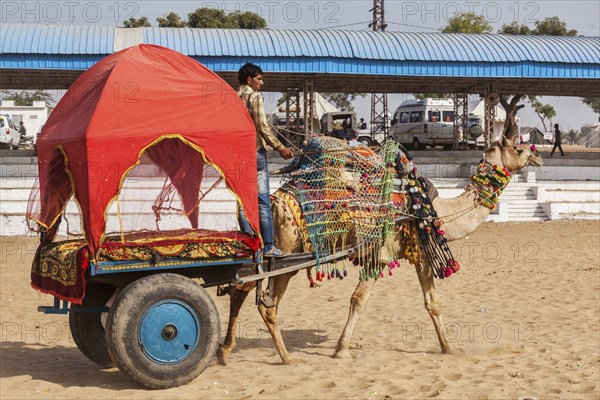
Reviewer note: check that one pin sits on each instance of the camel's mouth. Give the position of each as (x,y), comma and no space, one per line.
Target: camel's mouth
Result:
(536,161)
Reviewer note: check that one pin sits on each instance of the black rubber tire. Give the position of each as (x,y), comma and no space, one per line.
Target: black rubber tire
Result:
(123,329)
(418,145)
(366,141)
(447,147)
(86,327)
(475,131)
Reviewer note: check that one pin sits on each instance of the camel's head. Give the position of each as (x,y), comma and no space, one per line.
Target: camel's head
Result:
(505,153)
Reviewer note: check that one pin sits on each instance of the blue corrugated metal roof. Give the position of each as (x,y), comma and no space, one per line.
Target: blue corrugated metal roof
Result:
(397,46)
(317,51)
(56,39)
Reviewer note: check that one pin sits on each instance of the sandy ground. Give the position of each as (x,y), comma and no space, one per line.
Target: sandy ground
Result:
(523,314)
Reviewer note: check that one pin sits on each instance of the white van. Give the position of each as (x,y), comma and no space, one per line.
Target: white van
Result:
(427,122)
(9,133)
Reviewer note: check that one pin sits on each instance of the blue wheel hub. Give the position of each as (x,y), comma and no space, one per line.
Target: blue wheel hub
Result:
(169,331)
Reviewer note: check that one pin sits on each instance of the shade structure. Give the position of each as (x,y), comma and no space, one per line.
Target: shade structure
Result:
(149,100)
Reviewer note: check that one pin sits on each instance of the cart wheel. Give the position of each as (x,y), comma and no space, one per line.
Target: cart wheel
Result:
(86,327)
(163,330)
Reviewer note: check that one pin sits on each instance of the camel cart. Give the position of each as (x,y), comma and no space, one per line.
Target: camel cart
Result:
(133,281)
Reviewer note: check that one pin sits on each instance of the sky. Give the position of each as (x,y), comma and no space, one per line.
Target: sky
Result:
(401,16)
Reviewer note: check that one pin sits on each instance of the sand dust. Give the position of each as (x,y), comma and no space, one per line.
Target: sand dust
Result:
(523,316)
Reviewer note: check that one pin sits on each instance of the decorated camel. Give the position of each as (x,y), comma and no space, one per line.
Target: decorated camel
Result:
(460,216)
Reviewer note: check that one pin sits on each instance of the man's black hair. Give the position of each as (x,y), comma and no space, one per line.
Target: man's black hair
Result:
(556,126)
(248,70)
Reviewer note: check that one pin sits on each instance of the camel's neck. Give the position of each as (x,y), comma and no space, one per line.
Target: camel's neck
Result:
(462,214)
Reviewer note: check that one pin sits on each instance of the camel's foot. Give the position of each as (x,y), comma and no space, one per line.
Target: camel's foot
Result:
(342,354)
(451,350)
(293,361)
(223,354)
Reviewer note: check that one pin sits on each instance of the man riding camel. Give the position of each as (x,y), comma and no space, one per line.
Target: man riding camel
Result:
(251,81)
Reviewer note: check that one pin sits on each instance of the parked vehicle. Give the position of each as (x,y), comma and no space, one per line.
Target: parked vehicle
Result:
(343,125)
(427,122)
(9,133)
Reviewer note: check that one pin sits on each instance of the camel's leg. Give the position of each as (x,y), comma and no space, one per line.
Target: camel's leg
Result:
(269,315)
(237,295)
(357,305)
(432,304)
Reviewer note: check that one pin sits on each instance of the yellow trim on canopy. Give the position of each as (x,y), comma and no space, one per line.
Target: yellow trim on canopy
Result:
(154,142)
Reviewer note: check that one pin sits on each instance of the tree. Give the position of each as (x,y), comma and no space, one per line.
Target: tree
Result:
(548,26)
(208,18)
(171,20)
(247,20)
(24,98)
(543,111)
(511,129)
(467,23)
(573,136)
(137,23)
(342,101)
(593,103)
(515,29)
(212,18)
(553,26)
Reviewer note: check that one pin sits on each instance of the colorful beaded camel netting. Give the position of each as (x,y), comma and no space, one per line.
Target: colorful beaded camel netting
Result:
(353,195)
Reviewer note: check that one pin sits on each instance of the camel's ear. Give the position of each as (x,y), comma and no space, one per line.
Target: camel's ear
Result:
(504,142)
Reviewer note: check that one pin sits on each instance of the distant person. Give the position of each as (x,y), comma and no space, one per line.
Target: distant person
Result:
(363,124)
(22,129)
(557,141)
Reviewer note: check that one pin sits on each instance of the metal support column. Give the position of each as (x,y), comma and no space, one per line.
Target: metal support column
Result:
(461,126)
(309,108)
(379,103)
(292,117)
(490,116)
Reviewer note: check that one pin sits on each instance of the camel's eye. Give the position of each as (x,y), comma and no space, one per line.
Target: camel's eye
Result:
(518,150)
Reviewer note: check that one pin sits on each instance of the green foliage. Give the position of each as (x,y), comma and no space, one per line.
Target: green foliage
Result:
(247,20)
(543,111)
(212,18)
(25,98)
(467,23)
(343,101)
(171,20)
(515,29)
(422,96)
(593,103)
(553,26)
(136,23)
(207,18)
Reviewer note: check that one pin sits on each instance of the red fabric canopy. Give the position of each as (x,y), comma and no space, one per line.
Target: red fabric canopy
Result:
(128,102)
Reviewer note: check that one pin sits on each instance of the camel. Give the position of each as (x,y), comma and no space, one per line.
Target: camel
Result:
(465,213)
